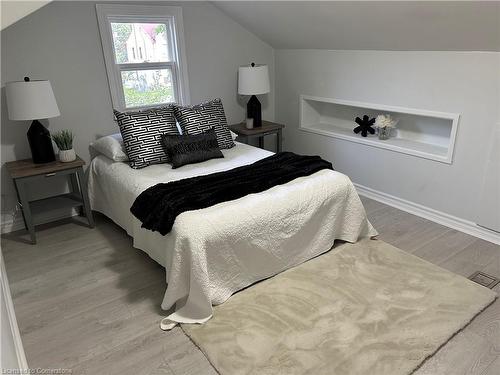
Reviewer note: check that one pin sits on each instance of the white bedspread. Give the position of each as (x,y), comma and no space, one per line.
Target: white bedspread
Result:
(214,252)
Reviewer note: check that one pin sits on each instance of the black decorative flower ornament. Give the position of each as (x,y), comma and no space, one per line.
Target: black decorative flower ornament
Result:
(365,125)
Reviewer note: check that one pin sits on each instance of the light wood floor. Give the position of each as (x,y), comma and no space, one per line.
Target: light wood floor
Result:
(85,299)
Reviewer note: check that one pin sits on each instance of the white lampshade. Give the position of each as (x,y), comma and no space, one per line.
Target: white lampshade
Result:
(31,100)
(253,80)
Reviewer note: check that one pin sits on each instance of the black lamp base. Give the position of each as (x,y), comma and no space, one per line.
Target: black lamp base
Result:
(254,111)
(40,143)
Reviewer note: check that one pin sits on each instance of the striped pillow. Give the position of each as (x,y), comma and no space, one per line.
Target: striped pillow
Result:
(199,118)
(142,131)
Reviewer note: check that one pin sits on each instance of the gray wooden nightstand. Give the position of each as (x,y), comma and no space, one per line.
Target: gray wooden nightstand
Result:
(267,128)
(25,172)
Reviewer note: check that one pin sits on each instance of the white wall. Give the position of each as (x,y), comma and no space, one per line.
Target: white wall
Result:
(457,82)
(13,11)
(490,192)
(371,25)
(61,43)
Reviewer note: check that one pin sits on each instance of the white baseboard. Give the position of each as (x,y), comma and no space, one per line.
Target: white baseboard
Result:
(13,222)
(439,217)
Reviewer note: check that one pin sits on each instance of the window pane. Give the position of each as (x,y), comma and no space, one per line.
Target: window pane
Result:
(140,42)
(147,87)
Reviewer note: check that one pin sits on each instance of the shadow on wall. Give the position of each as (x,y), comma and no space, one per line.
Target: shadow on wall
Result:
(242,100)
(13,142)
(14,133)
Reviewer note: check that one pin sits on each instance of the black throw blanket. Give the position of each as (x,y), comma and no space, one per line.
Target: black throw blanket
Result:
(158,206)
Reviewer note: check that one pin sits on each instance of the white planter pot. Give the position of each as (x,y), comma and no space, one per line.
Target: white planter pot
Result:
(67,155)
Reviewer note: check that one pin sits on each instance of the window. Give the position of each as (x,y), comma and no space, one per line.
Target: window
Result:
(144,54)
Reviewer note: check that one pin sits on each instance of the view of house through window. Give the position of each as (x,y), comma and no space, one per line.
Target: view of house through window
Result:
(144,44)
(140,42)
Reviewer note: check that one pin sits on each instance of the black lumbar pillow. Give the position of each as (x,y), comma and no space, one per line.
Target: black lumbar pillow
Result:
(365,126)
(190,149)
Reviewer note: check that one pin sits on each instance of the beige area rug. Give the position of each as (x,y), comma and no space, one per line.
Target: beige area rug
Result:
(365,308)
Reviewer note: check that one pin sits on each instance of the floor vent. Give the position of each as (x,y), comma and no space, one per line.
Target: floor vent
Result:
(484,279)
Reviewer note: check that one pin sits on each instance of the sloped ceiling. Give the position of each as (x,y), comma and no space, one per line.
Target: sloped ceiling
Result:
(371,25)
(14,10)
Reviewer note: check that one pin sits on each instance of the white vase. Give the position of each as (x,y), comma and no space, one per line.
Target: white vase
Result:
(66,156)
(384,133)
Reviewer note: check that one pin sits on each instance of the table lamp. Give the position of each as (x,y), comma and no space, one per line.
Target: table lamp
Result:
(253,80)
(33,100)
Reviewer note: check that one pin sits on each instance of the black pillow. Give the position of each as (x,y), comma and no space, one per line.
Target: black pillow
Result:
(190,149)
(141,133)
(202,117)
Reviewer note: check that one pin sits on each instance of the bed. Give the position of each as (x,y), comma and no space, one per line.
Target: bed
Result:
(213,252)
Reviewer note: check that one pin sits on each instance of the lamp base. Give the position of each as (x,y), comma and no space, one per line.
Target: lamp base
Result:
(40,143)
(254,111)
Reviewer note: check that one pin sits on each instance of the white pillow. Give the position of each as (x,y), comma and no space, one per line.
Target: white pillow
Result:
(233,135)
(111,146)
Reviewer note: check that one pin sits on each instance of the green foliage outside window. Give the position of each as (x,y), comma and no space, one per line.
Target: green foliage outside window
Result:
(121,33)
(135,98)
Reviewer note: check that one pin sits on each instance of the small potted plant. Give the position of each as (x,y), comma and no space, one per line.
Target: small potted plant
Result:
(64,142)
(384,125)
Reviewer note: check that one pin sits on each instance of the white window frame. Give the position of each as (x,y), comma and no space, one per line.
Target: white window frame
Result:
(170,15)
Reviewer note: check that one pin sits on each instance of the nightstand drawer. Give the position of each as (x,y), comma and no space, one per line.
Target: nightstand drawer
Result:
(37,177)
